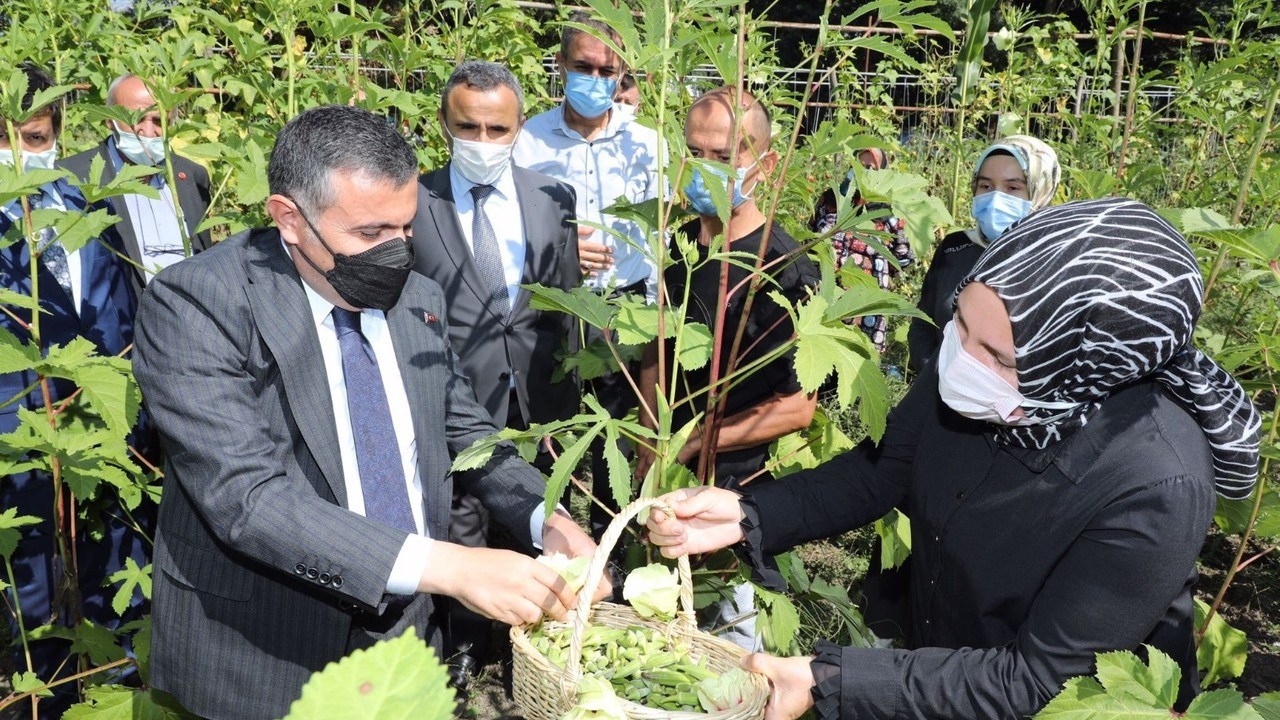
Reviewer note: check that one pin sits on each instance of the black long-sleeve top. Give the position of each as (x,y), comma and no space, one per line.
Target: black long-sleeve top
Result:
(1026,562)
(951,263)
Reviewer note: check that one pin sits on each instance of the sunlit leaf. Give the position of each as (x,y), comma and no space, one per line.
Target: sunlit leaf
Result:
(10,534)
(1223,650)
(397,679)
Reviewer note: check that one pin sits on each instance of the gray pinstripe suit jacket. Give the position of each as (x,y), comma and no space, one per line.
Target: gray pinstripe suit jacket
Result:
(261,575)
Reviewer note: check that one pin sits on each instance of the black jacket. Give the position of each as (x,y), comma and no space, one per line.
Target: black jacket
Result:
(952,261)
(1026,563)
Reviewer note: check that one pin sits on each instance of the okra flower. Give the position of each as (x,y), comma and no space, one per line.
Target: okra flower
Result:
(653,591)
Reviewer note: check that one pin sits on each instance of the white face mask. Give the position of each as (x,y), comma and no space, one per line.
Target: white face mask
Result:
(480,162)
(978,392)
(146,151)
(32,160)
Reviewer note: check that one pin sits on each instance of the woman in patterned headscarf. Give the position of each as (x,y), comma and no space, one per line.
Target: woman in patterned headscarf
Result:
(1013,178)
(1059,466)
(849,247)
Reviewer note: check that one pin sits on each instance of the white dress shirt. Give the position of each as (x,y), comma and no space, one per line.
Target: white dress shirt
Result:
(415,553)
(621,162)
(503,210)
(154,222)
(416,550)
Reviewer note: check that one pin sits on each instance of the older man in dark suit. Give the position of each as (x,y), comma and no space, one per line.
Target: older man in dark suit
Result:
(309,402)
(152,230)
(483,229)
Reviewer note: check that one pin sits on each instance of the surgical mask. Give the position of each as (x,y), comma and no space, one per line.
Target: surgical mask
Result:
(371,279)
(145,151)
(42,160)
(699,194)
(625,110)
(588,95)
(996,211)
(480,162)
(978,392)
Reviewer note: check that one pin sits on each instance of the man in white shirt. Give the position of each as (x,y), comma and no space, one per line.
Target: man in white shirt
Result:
(310,404)
(599,149)
(483,229)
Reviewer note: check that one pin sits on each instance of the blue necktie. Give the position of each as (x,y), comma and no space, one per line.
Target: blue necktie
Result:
(484,244)
(386,497)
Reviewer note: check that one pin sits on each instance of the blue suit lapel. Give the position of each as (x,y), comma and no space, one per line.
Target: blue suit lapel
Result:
(283,316)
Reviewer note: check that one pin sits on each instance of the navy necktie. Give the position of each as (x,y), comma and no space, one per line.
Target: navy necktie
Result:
(52,253)
(484,242)
(382,480)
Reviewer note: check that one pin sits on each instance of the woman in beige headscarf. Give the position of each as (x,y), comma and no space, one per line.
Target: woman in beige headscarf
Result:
(1013,178)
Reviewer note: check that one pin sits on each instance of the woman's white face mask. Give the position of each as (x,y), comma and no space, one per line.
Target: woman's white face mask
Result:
(978,392)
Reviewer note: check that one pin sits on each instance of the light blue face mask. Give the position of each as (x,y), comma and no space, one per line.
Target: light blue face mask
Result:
(700,196)
(996,211)
(146,151)
(588,95)
(32,160)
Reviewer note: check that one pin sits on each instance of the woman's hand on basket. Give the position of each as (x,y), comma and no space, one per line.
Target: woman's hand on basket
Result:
(790,683)
(560,534)
(706,519)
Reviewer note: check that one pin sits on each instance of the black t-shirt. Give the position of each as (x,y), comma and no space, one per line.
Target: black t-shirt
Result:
(767,326)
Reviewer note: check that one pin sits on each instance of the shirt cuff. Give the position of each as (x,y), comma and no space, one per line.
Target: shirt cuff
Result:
(826,681)
(871,681)
(411,563)
(764,569)
(538,519)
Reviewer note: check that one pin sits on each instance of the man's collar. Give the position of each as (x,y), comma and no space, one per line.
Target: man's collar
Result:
(156,179)
(611,128)
(505,185)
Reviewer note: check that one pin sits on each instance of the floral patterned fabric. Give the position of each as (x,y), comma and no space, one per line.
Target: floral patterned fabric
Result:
(851,247)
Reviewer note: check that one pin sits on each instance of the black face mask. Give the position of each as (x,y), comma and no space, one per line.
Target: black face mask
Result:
(371,279)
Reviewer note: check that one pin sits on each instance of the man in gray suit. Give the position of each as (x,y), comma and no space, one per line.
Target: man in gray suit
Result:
(484,228)
(151,229)
(309,403)
(507,349)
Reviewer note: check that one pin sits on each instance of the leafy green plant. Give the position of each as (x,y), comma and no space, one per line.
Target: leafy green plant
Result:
(1127,687)
(398,678)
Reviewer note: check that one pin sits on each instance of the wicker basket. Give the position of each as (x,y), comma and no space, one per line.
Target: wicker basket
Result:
(545,692)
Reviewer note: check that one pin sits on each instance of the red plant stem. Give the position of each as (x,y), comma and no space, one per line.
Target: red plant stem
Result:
(1255,558)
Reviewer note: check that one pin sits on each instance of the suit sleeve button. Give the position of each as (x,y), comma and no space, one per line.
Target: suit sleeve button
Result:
(300,569)
(325,578)
(336,582)
(313,573)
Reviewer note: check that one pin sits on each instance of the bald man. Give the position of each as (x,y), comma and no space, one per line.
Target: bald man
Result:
(152,229)
(770,402)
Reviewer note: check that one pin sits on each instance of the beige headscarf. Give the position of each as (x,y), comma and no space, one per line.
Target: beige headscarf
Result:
(1038,162)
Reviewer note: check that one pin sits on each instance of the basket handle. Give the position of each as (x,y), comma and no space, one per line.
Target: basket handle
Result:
(581,617)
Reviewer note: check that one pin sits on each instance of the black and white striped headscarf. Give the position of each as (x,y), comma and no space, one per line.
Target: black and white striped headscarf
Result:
(1102,293)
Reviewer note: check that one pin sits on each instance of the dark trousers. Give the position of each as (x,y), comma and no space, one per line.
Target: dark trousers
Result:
(470,632)
(38,574)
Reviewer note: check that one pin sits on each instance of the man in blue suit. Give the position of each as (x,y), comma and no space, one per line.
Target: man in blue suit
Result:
(85,293)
